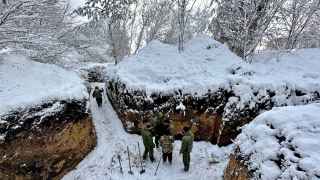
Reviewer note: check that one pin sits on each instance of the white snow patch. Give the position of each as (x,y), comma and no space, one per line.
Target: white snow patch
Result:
(26,83)
(161,68)
(74,4)
(181,107)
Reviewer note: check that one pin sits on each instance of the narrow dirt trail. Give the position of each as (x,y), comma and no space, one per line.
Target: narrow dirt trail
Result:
(102,164)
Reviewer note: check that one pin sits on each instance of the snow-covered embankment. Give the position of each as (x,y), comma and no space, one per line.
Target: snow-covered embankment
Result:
(44,127)
(279,144)
(219,92)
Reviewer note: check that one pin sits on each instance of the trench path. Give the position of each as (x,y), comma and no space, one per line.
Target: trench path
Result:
(102,162)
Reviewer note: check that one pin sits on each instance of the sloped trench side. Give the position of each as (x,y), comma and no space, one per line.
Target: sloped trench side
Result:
(203,113)
(45,142)
(236,169)
(216,116)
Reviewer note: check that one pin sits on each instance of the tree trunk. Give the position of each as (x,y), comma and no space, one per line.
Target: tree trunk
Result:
(114,51)
(181,21)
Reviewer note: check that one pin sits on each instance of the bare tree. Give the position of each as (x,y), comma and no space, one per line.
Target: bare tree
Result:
(242,24)
(296,16)
(182,5)
(117,12)
(146,15)
(33,26)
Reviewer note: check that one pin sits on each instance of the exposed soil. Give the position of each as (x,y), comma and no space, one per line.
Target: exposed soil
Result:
(203,113)
(34,155)
(45,141)
(215,116)
(236,169)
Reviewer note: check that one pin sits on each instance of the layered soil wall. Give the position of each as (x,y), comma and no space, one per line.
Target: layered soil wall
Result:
(46,141)
(216,116)
(236,169)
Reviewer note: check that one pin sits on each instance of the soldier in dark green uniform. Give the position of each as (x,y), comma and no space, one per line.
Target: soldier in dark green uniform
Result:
(159,127)
(186,147)
(148,143)
(97,93)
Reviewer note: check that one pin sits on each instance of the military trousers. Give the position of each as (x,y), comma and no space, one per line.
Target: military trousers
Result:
(186,160)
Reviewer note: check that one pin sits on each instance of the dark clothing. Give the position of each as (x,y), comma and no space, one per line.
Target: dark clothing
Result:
(147,138)
(157,139)
(150,152)
(187,143)
(160,128)
(186,161)
(186,148)
(97,93)
(99,101)
(166,156)
(148,144)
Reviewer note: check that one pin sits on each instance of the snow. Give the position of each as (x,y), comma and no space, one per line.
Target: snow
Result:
(207,64)
(76,19)
(181,107)
(160,67)
(289,135)
(47,112)
(74,4)
(282,72)
(102,164)
(26,83)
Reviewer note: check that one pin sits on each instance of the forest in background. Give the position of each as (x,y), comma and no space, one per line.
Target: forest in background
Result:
(111,29)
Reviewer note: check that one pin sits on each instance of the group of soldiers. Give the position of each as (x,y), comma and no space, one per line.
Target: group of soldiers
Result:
(161,132)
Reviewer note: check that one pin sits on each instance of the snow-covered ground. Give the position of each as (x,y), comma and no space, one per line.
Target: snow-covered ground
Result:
(102,163)
(26,83)
(285,73)
(207,64)
(283,143)
(160,67)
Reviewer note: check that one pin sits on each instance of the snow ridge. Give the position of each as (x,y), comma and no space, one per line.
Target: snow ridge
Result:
(25,84)
(283,143)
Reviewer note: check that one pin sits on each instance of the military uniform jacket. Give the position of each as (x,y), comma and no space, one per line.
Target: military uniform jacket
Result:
(187,143)
(166,144)
(147,138)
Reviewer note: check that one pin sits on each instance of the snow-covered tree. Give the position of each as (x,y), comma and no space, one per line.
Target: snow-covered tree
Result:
(242,24)
(117,13)
(161,20)
(310,37)
(182,5)
(153,19)
(34,27)
(296,23)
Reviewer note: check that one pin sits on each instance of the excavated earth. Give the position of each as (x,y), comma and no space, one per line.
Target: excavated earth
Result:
(135,107)
(215,116)
(46,141)
(236,169)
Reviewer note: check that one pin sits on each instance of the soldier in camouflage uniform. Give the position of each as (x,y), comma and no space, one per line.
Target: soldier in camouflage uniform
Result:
(148,143)
(166,142)
(186,147)
(97,93)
